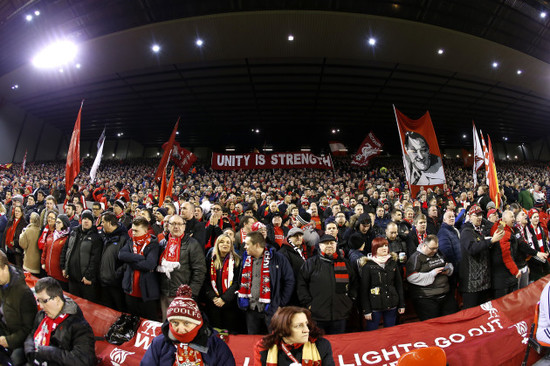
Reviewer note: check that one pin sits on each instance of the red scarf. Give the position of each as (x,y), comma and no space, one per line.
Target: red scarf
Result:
(42,240)
(227,273)
(186,337)
(265,281)
(186,355)
(46,328)
(10,233)
(173,249)
(139,245)
(341,275)
(420,237)
(279,235)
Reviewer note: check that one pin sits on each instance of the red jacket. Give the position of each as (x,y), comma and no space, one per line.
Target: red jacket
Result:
(51,258)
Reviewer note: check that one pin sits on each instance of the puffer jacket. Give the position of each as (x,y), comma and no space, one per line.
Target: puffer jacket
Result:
(71,344)
(89,246)
(111,268)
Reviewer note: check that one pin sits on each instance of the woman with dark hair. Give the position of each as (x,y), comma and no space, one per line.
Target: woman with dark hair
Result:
(15,227)
(294,340)
(54,242)
(381,290)
(222,282)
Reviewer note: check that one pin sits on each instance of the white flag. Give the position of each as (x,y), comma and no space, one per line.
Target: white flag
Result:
(478,155)
(97,160)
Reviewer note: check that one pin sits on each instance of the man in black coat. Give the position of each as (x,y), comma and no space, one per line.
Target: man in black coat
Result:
(80,259)
(61,336)
(327,285)
(114,236)
(18,308)
(293,249)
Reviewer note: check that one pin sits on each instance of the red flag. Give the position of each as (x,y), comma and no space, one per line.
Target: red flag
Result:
(168,192)
(166,155)
(73,155)
(494,191)
(337,148)
(182,157)
(24,163)
(5,166)
(421,155)
(162,193)
(370,147)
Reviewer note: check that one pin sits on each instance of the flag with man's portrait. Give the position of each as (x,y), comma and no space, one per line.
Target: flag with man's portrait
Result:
(421,155)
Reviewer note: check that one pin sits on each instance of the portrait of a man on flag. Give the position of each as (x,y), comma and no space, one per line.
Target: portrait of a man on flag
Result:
(421,155)
(422,168)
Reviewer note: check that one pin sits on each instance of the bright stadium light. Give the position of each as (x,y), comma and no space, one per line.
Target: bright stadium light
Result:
(55,55)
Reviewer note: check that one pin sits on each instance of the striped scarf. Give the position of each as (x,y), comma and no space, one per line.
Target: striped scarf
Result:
(310,355)
(341,274)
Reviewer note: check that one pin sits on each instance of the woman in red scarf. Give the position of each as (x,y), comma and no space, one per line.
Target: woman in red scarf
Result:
(294,340)
(221,283)
(15,227)
(54,240)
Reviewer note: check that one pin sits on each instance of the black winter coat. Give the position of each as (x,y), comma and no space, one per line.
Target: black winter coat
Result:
(475,266)
(381,288)
(111,268)
(86,262)
(317,288)
(71,344)
(19,308)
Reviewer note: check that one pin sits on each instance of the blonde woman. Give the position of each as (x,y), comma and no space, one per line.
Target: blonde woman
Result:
(222,281)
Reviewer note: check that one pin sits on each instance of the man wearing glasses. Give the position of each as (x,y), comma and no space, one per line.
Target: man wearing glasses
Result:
(181,262)
(427,273)
(60,334)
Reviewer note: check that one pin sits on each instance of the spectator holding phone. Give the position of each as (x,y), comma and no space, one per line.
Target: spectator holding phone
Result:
(427,273)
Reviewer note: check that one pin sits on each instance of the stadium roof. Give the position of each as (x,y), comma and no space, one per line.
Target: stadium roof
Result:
(328,83)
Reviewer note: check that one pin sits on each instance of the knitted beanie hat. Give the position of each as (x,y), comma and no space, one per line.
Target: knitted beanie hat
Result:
(183,307)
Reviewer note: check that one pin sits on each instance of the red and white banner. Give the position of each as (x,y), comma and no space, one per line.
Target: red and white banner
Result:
(182,157)
(494,333)
(337,148)
(421,155)
(370,147)
(288,160)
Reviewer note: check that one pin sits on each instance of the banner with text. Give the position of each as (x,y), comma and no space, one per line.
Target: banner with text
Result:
(288,160)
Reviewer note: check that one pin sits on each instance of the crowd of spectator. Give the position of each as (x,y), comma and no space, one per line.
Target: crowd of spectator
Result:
(350,244)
